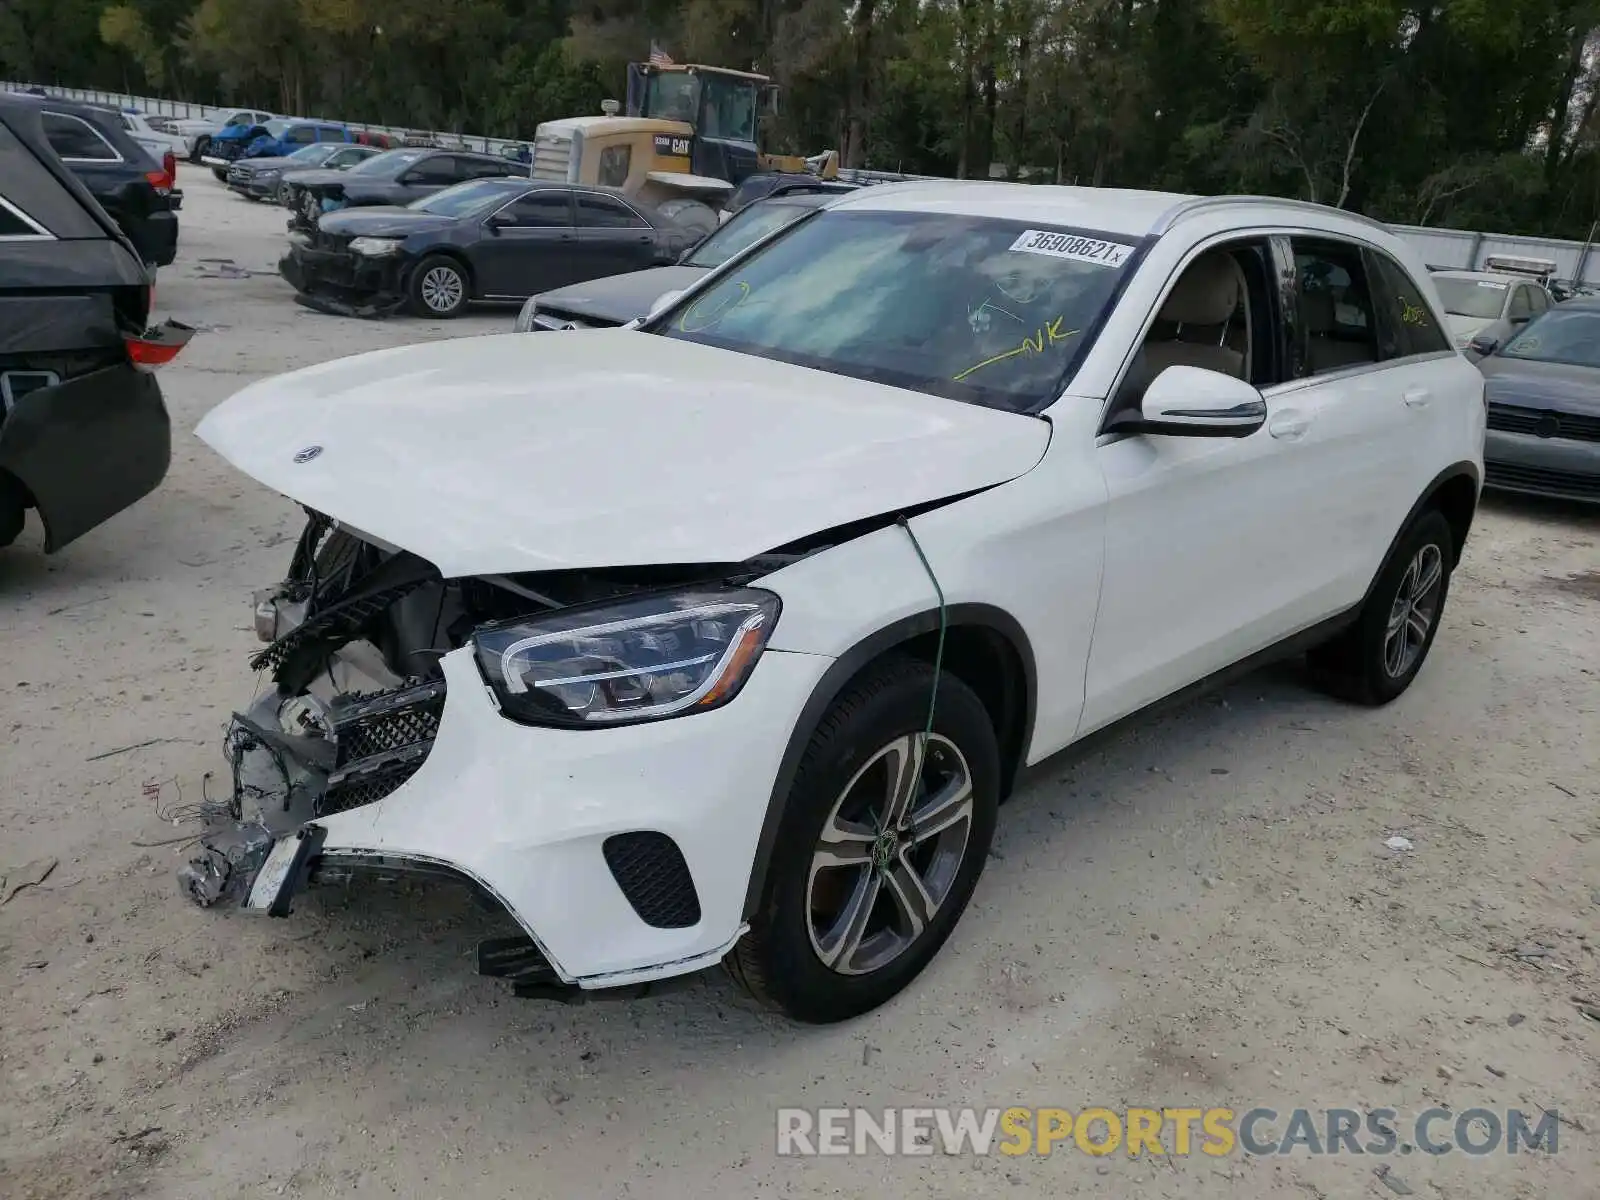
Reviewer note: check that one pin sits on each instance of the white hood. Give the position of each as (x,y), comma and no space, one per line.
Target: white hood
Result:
(527,452)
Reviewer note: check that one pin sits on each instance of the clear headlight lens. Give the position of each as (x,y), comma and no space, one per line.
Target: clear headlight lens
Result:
(375,247)
(268,174)
(631,660)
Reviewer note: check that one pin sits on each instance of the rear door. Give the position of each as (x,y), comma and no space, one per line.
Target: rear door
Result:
(613,238)
(538,250)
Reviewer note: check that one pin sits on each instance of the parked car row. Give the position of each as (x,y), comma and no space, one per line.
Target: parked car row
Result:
(84,432)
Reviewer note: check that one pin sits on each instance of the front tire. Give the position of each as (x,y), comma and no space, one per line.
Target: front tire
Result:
(1376,659)
(201,145)
(438,288)
(220,174)
(13,509)
(875,861)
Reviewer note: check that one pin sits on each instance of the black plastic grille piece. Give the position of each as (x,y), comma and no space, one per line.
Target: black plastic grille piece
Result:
(382,740)
(388,721)
(1511,418)
(651,871)
(345,793)
(1541,479)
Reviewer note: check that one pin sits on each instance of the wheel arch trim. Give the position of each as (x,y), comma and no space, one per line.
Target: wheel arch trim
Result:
(1461,470)
(845,668)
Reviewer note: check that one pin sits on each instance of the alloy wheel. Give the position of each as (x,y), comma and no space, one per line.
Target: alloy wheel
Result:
(442,289)
(1415,608)
(889,853)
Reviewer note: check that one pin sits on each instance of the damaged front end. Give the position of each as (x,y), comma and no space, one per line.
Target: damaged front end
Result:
(358,641)
(328,276)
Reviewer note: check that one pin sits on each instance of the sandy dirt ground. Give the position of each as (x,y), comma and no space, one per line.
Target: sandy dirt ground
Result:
(1201,911)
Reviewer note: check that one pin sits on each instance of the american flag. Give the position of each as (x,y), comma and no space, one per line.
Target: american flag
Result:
(658,56)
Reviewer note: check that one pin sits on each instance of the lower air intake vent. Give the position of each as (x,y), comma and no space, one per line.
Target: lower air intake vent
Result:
(650,870)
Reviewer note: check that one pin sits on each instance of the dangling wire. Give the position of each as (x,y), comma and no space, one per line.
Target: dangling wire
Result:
(938,654)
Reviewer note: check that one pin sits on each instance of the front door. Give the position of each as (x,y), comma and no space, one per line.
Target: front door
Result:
(1208,539)
(538,250)
(614,238)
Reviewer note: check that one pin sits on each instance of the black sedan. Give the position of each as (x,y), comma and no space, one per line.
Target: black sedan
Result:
(1543,389)
(393,177)
(491,239)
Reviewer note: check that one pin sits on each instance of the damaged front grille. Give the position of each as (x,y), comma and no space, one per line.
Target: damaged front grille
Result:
(381,742)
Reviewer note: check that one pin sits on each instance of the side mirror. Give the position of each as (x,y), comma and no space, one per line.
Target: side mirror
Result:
(1484,344)
(663,302)
(1191,402)
(500,221)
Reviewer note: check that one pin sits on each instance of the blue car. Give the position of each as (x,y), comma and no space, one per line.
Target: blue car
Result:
(277,138)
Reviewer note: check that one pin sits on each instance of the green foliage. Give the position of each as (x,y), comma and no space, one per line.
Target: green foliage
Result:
(1466,112)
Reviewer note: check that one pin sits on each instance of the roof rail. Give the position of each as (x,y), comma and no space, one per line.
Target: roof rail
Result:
(1188,208)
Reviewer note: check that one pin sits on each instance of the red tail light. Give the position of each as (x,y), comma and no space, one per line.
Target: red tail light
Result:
(164,179)
(158,345)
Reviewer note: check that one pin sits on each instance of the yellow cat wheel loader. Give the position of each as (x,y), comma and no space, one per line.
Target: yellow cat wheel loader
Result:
(687,139)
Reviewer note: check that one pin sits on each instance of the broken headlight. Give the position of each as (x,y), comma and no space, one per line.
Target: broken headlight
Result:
(631,660)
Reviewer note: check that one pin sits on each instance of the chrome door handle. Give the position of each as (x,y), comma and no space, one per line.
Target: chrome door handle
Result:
(1288,425)
(1417,397)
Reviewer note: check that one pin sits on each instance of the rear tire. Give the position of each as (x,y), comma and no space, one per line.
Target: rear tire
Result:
(438,288)
(1375,660)
(848,920)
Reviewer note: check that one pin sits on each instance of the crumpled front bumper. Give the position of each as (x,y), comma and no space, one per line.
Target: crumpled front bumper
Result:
(526,814)
(346,283)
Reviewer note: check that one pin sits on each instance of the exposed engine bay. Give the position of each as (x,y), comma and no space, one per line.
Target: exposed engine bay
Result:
(355,634)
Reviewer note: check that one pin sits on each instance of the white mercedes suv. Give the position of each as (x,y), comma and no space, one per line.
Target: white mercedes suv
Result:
(722,638)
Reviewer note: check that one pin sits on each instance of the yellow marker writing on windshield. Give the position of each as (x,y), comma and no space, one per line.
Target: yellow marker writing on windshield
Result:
(1046,335)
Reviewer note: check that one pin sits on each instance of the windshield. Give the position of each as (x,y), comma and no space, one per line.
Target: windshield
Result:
(1481,299)
(743,231)
(730,110)
(313,154)
(672,96)
(1571,337)
(977,309)
(390,161)
(464,198)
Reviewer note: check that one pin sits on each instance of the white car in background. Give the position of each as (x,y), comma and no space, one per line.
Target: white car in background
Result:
(722,639)
(1488,306)
(151,138)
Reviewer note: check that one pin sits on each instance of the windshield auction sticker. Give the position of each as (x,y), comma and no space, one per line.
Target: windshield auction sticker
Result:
(1070,246)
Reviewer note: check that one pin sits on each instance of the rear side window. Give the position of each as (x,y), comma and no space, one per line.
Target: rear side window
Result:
(603,212)
(14,223)
(1521,307)
(75,139)
(542,210)
(1406,324)
(329,133)
(300,135)
(1337,320)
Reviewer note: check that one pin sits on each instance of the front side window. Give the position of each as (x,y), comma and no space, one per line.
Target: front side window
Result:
(14,223)
(441,169)
(977,309)
(1479,299)
(390,163)
(463,199)
(73,138)
(311,155)
(300,135)
(1408,325)
(1570,336)
(1337,320)
(743,231)
(602,212)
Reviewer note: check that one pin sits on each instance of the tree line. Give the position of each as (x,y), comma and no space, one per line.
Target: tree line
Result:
(1470,113)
